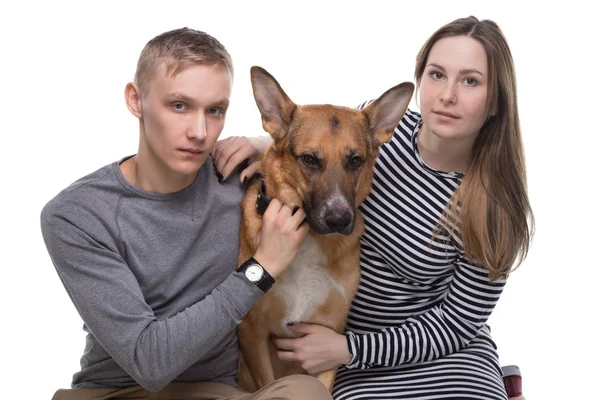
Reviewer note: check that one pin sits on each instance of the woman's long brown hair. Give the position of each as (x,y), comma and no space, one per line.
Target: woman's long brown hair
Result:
(491,208)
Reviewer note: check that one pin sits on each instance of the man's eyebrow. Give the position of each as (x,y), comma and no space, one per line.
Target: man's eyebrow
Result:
(178,96)
(223,103)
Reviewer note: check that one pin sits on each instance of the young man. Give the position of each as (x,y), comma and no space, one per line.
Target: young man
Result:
(146,250)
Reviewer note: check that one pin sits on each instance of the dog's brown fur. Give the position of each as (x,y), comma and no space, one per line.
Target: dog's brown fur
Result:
(321,159)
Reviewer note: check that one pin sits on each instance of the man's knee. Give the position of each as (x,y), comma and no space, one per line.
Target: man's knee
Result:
(302,387)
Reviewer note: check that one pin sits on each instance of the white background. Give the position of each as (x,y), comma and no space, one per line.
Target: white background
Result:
(63,71)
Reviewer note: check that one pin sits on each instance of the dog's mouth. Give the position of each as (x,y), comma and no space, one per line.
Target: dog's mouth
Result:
(328,221)
(337,217)
(325,230)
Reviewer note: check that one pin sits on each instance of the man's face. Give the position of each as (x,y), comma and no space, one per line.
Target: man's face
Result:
(182,118)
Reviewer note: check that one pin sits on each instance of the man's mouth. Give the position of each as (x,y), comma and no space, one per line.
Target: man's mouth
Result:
(191,150)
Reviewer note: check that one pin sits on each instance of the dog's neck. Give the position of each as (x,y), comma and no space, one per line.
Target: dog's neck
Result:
(262,199)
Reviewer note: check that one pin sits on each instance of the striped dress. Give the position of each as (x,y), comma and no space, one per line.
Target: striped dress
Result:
(417,328)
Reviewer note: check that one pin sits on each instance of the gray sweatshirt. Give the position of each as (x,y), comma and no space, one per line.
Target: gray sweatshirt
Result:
(152,276)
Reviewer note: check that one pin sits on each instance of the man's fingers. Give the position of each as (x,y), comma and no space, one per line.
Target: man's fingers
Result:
(299,214)
(273,208)
(298,218)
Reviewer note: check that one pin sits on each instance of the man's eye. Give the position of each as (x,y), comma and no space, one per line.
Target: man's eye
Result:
(180,106)
(215,111)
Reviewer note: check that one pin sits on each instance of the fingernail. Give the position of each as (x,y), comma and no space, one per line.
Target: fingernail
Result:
(244,180)
(290,323)
(220,177)
(295,209)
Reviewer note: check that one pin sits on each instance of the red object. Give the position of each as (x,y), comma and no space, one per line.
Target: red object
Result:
(512,381)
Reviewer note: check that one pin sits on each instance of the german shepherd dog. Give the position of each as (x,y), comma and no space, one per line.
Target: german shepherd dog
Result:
(321,159)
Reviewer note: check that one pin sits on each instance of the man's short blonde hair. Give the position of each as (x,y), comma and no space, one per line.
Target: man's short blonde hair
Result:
(178,49)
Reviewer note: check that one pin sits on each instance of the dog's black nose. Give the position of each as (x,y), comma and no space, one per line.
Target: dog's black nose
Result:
(338,221)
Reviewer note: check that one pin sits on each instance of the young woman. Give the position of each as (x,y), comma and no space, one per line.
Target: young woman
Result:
(446,221)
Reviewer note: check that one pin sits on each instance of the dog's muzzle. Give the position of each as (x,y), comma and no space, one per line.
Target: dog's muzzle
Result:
(340,221)
(331,219)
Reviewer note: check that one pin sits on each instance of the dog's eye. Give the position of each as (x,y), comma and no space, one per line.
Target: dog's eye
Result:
(356,162)
(309,160)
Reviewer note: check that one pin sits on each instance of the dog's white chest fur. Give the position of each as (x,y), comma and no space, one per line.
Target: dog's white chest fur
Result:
(305,284)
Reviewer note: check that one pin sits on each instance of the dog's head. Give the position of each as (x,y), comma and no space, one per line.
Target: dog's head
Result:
(323,155)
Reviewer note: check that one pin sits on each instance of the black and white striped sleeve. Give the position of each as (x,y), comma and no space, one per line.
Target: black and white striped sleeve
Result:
(443,329)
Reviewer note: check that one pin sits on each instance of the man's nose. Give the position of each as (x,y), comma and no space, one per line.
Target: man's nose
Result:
(198,129)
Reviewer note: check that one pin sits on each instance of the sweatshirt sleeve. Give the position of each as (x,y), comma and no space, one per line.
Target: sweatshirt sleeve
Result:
(108,297)
(444,329)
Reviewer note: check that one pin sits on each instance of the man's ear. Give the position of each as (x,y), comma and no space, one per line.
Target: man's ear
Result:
(275,106)
(133,99)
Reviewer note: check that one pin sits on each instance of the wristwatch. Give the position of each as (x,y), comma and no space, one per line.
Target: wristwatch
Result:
(256,274)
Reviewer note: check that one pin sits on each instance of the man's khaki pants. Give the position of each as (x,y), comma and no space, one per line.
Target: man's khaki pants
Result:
(294,387)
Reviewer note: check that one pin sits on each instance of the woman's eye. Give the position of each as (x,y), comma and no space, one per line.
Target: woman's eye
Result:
(436,75)
(471,81)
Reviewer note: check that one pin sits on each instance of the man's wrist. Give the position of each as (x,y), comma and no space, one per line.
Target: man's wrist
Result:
(257,274)
(271,267)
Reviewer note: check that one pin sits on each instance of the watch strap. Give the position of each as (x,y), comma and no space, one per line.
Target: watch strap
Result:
(265,282)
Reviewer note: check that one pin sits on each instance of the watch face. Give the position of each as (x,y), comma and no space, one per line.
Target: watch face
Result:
(254,272)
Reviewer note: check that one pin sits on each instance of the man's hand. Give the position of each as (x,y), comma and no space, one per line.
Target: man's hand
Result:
(281,236)
(320,349)
(232,151)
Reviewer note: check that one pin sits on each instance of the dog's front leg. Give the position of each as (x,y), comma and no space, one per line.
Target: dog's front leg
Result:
(254,343)
(327,377)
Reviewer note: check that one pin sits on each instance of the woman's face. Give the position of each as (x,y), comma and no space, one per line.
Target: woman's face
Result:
(453,89)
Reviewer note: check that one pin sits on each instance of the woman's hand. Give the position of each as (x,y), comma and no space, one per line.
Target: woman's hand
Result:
(232,151)
(320,349)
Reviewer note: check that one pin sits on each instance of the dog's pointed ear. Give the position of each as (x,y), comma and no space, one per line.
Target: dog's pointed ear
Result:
(385,113)
(275,106)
